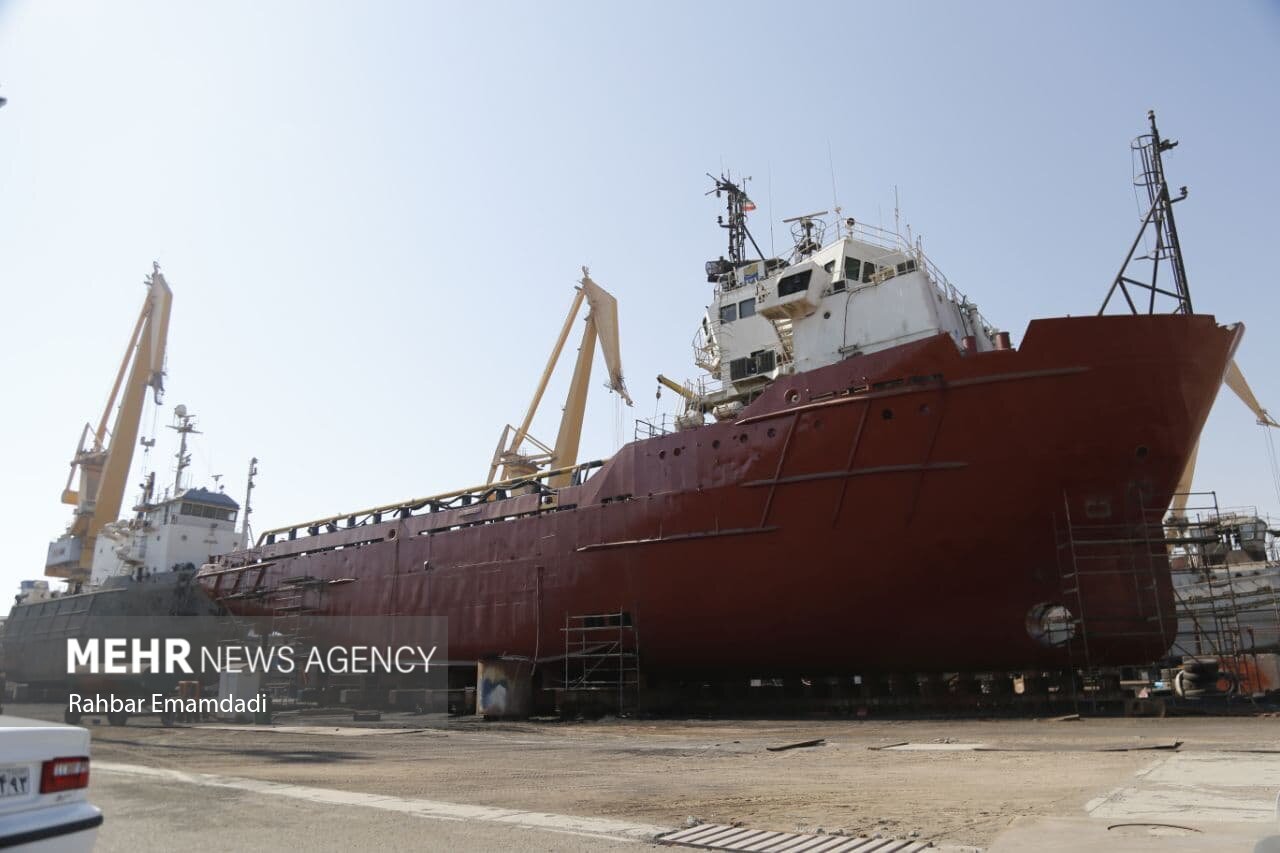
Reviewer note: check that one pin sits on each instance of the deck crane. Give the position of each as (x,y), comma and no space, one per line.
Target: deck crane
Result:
(103,459)
(1234,379)
(510,457)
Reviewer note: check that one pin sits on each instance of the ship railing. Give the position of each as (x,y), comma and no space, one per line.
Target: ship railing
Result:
(728,283)
(646,428)
(708,386)
(896,243)
(706,353)
(1199,512)
(475,495)
(1232,515)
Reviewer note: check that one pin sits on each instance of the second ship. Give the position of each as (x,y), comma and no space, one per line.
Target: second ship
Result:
(132,576)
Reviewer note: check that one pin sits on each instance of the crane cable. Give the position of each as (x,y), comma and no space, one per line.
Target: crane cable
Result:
(619,424)
(1271,455)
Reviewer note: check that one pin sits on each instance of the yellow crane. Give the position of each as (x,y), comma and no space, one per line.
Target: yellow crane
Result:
(1234,379)
(510,457)
(103,459)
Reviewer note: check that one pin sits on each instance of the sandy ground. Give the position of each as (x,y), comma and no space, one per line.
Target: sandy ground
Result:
(662,772)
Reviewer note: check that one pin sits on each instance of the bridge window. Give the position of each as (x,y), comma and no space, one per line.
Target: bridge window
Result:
(852,268)
(746,308)
(728,313)
(202,511)
(794,283)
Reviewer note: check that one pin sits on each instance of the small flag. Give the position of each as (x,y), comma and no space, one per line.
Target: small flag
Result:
(747,205)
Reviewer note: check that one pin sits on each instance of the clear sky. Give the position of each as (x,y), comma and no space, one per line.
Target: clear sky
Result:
(372,215)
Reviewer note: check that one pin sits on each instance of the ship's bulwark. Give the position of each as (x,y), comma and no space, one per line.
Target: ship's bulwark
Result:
(901,510)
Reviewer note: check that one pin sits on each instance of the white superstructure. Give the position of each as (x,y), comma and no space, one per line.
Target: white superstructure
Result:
(867,290)
(189,529)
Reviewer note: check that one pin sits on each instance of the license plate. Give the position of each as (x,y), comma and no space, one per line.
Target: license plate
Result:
(14,781)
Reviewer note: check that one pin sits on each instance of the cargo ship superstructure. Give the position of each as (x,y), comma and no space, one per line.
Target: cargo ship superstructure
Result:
(870,478)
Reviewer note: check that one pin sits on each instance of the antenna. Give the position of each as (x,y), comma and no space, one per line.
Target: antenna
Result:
(802,217)
(184,427)
(835,199)
(772,252)
(803,230)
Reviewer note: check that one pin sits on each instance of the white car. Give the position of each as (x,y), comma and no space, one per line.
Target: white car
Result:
(44,784)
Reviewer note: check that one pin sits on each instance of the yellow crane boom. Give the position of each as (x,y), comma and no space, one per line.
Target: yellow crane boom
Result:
(1234,379)
(104,466)
(601,327)
(678,388)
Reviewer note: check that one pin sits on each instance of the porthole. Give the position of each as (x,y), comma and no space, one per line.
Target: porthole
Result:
(1051,625)
(887,414)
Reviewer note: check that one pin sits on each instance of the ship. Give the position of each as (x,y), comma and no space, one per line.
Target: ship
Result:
(869,477)
(1227,582)
(142,582)
(130,577)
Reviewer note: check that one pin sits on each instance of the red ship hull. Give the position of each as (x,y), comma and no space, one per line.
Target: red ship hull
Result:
(895,511)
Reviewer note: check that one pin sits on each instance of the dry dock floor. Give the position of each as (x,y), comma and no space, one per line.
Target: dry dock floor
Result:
(432,783)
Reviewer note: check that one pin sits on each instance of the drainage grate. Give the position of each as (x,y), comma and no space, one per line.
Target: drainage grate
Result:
(718,836)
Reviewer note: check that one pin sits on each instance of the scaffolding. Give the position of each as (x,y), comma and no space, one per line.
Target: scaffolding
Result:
(602,659)
(1205,551)
(294,604)
(1227,581)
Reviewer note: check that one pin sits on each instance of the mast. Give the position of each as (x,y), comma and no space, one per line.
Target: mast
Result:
(248,493)
(738,204)
(1149,174)
(184,427)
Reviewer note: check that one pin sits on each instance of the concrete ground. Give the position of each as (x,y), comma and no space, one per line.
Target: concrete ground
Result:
(432,783)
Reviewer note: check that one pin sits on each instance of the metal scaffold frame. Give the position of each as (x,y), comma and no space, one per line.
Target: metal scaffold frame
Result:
(602,655)
(1139,548)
